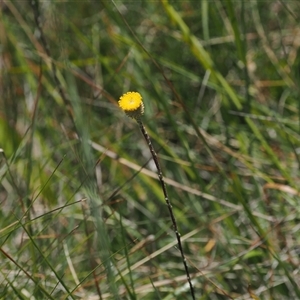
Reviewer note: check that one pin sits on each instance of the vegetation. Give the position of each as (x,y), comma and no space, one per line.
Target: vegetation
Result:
(83,215)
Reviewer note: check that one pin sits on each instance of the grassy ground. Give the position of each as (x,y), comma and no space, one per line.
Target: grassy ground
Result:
(82,212)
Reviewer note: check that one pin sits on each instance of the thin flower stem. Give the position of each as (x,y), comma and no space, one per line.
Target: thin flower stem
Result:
(163,185)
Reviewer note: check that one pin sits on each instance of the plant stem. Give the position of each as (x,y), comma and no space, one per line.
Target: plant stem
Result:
(163,185)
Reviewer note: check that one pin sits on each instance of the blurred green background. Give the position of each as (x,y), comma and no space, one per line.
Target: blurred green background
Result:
(82,212)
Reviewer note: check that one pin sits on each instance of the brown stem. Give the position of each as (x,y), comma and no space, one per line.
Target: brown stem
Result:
(163,185)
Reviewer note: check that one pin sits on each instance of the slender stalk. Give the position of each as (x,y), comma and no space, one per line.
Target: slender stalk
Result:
(163,185)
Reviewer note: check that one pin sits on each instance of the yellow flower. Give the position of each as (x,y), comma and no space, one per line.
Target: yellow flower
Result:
(131,103)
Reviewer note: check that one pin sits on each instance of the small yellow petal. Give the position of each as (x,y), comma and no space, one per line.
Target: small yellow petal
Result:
(131,103)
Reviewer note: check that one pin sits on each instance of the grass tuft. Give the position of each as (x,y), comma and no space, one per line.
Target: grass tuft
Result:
(82,214)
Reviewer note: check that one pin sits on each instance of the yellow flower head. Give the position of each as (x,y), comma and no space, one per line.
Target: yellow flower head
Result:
(131,103)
